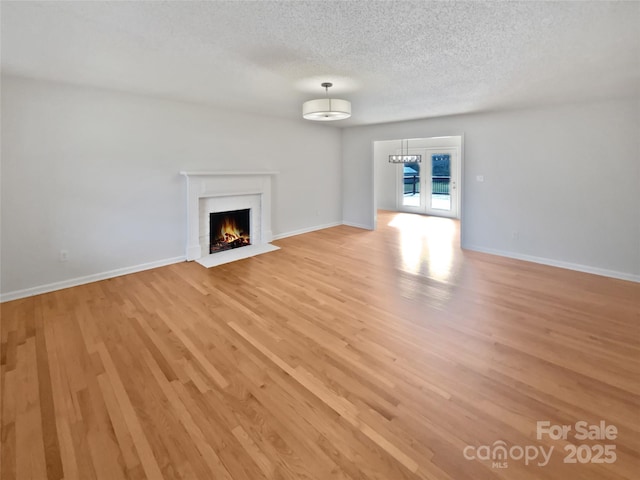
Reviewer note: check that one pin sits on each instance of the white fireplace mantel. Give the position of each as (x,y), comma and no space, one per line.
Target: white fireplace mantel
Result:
(206,188)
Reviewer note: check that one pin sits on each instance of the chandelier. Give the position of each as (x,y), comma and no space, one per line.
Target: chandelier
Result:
(405,157)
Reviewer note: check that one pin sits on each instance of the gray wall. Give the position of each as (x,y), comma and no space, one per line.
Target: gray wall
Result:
(95,172)
(567,178)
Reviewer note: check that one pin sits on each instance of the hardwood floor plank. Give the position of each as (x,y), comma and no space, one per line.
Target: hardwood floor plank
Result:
(62,406)
(197,354)
(259,458)
(147,459)
(8,426)
(118,421)
(216,469)
(30,458)
(47,409)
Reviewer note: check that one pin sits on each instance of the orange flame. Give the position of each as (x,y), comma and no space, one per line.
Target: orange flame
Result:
(229,230)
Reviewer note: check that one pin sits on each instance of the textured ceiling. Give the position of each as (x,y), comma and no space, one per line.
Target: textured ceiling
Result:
(394,60)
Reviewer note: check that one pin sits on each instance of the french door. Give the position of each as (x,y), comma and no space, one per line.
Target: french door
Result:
(432,185)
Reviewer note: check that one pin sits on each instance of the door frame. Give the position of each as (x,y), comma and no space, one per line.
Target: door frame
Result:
(426,186)
(374,174)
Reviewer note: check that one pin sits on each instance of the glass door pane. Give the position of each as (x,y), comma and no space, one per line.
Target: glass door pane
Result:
(440,181)
(411,181)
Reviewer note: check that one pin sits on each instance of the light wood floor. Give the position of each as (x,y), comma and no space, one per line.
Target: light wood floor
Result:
(348,354)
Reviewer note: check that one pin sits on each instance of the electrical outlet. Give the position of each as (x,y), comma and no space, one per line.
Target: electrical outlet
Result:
(480,178)
(64,255)
(515,235)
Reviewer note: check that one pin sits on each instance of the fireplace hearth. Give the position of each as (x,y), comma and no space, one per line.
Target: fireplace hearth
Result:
(229,230)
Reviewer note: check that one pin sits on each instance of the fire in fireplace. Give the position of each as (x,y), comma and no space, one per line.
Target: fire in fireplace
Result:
(229,230)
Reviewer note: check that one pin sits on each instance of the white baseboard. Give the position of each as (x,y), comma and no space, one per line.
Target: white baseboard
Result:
(557,263)
(74,282)
(320,227)
(306,230)
(358,225)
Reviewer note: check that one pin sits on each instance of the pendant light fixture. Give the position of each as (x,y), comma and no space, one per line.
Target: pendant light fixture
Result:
(405,157)
(326,109)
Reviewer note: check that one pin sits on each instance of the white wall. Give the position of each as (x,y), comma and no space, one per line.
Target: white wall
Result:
(567,178)
(95,172)
(386,174)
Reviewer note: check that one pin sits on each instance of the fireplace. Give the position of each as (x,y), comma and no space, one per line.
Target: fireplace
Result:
(219,192)
(228,230)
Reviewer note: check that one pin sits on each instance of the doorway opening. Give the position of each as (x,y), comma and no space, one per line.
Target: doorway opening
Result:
(430,186)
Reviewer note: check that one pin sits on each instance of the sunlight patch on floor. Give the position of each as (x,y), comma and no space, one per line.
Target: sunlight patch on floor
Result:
(426,245)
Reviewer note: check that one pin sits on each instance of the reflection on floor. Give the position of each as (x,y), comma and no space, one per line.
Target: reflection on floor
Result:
(427,244)
(428,256)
